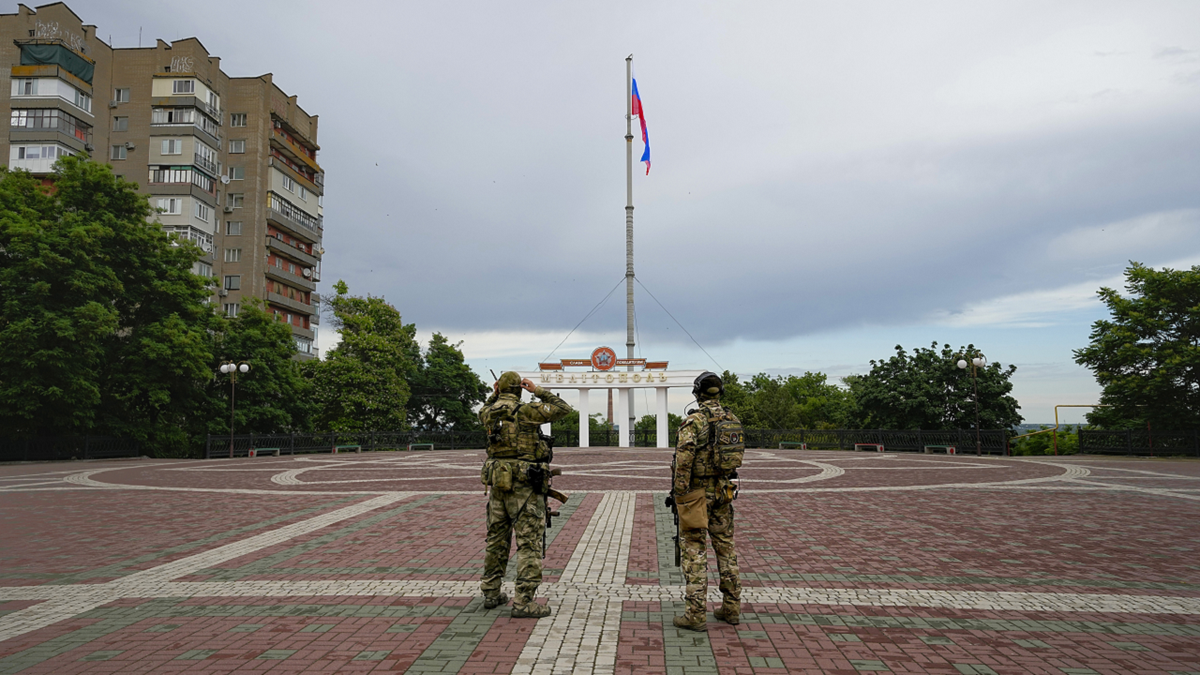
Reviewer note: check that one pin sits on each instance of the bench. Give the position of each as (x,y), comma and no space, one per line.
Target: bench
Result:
(427,446)
(793,444)
(346,448)
(948,449)
(877,447)
(255,452)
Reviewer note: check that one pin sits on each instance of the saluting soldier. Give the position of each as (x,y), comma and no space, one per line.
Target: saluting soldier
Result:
(697,466)
(516,470)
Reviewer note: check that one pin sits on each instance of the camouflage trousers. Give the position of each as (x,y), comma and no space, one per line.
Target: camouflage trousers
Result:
(521,511)
(694,557)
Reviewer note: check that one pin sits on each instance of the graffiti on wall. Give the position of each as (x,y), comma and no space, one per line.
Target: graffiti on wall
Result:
(49,30)
(182,64)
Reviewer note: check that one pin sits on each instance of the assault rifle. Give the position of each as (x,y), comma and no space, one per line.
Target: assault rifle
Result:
(542,478)
(670,503)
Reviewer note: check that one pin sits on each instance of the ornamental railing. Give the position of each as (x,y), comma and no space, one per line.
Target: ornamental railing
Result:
(1140,442)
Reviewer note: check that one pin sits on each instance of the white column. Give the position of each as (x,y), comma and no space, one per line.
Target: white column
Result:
(583,418)
(621,416)
(662,417)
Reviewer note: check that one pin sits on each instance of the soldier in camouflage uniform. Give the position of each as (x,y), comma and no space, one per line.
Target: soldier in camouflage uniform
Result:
(517,471)
(694,468)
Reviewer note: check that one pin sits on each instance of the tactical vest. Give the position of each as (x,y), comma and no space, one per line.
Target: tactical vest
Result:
(725,442)
(509,437)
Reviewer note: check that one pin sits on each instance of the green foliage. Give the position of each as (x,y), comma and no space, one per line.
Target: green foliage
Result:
(272,397)
(362,384)
(1147,355)
(596,423)
(445,389)
(650,423)
(806,401)
(105,327)
(1044,444)
(927,390)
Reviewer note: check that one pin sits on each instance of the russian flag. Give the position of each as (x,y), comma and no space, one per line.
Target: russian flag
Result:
(641,115)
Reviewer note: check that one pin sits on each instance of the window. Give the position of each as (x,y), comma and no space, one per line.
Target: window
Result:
(303,193)
(213,101)
(231,308)
(118,152)
(25,88)
(289,184)
(203,211)
(292,268)
(303,344)
(83,101)
(171,206)
(233,282)
(46,118)
(233,227)
(120,124)
(234,200)
(204,269)
(237,119)
(172,146)
(237,173)
(173,116)
(41,152)
(183,87)
(121,95)
(237,147)
(233,255)
(320,200)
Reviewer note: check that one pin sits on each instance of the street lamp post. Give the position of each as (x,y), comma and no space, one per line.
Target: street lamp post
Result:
(977,361)
(232,369)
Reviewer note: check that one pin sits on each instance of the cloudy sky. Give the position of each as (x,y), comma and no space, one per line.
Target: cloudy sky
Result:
(829,179)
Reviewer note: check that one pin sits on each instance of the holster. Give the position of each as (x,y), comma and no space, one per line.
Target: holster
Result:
(693,510)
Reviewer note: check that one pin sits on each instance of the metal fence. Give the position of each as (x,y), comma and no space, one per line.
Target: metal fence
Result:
(1140,442)
(67,447)
(993,441)
(299,444)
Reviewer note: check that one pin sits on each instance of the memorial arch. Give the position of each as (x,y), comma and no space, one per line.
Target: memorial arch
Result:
(600,372)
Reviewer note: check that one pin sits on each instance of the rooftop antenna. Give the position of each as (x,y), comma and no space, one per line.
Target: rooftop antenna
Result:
(139,37)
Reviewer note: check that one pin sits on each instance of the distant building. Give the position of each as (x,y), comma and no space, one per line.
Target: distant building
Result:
(230,162)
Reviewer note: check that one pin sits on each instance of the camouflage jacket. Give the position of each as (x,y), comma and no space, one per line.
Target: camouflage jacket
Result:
(524,443)
(693,455)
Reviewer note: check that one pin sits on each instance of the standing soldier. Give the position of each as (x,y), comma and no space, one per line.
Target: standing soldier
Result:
(707,455)
(517,470)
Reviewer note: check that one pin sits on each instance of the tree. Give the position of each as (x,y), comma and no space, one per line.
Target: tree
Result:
(362,384)
(805,401)
(927,390)
(445,389)
(106,328)
(648,423)
(272,397)
(1147,355)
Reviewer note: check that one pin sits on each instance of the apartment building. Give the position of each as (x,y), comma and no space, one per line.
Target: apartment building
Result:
(229,163)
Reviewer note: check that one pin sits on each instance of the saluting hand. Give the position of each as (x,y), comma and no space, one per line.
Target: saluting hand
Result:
(528,385)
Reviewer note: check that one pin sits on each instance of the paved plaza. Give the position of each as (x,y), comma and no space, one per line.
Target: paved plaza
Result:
(851,562)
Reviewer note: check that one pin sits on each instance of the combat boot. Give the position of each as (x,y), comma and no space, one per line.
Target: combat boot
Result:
(532,610)
(729,612)
(494,601)
(691,621)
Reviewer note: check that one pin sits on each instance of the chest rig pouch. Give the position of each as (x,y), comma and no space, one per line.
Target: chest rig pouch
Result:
(503,430)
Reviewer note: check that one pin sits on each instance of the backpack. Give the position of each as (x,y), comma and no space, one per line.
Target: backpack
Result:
(502,430)
(727,440)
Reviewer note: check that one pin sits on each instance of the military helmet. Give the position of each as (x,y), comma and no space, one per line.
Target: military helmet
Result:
(509,381)
(708,384)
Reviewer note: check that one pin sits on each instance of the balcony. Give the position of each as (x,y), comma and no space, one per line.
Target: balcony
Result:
(301,175)
(286,214)
(287,277)
(295,305)
(290,251)
(212,167)
(294,150)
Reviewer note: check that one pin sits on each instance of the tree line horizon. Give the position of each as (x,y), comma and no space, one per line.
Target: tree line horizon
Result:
(109,332)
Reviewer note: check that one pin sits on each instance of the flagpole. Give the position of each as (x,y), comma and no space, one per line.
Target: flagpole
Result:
(629,228)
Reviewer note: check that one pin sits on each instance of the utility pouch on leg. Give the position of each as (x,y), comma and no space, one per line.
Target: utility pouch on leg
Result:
(693,510)
(485,473)
(502,478)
